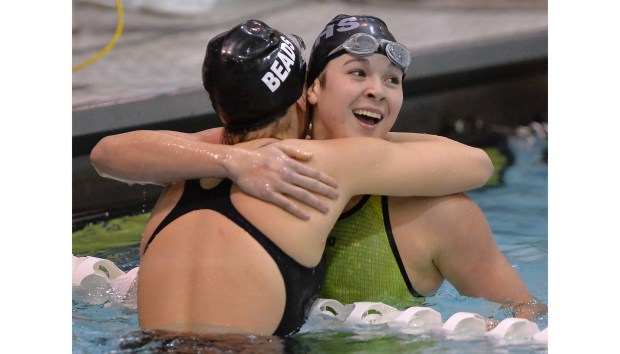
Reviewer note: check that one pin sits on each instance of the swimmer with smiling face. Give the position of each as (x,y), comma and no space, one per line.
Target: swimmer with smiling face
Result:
(409,244)
(215,259)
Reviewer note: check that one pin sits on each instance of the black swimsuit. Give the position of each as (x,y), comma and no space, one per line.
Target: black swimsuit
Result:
(302,284)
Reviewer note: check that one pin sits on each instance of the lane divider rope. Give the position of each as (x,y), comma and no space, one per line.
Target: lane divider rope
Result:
(97,281)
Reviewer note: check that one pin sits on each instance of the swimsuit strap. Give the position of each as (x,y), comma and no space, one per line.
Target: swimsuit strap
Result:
(390,236)
(302,284)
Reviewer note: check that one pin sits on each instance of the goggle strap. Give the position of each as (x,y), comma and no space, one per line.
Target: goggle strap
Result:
(390,49)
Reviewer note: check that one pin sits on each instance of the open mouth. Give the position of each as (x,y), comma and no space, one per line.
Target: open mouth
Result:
(367,117)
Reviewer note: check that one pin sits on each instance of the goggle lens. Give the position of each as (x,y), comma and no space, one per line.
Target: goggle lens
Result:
(365,44)
(398,54)
(361,44)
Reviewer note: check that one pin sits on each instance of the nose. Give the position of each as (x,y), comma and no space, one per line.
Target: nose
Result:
(374,88)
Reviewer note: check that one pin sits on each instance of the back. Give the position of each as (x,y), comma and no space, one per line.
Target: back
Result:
(203,271)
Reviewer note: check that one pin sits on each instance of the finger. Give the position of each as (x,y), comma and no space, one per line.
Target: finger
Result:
(313,185)
(304,196)
(289,206)
(315,174)
(295,152)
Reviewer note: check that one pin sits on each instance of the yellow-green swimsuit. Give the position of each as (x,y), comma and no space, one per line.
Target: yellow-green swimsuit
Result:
(363,263)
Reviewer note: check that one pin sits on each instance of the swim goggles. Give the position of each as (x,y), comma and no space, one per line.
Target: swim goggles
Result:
(364,44)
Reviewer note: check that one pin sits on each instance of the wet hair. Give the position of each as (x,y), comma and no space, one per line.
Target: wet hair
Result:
(232,137)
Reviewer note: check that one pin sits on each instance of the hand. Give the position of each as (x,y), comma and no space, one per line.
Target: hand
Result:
(530,310)
(491,323)
(272,171)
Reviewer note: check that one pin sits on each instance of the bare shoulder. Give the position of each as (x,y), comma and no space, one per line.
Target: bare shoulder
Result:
(256,143)
(350,146)
(331,149)
(212,135)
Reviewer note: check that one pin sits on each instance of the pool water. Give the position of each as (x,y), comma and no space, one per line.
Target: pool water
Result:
(517,213)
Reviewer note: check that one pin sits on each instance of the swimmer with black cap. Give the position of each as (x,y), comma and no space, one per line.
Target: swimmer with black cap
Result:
(274,173)
(408,245)
(360,45)
(360,36)
(253,76)
(215,259)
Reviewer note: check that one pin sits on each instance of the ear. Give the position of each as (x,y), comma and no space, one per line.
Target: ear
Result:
(313,92)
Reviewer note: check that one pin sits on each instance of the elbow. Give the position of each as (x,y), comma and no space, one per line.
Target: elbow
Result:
(484,167)
(99,156)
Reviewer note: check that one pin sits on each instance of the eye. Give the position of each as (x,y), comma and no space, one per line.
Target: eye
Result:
(358,72)
(393,80)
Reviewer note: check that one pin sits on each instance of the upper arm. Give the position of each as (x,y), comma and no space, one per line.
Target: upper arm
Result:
(364,165)
(425,168)
(211,136)
(421,168)
(468,256)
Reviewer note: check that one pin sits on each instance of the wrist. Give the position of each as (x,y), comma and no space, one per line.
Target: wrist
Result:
(230,161)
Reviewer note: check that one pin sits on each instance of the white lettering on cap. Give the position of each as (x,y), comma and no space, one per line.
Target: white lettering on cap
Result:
(280,69)
(271,81)
(347,24)
(344,25)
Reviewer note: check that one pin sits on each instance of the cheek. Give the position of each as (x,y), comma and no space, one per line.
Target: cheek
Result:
(396,102)
(333,105)
(398,106)
(395,106)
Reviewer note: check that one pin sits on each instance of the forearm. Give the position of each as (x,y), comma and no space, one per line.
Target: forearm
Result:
(464,168)
(470,259)
(159,157)
(455,168)
(443,168)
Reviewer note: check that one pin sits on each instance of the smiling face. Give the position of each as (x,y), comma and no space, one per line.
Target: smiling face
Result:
(361,96)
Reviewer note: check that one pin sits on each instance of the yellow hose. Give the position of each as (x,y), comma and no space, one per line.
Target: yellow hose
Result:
(110,45)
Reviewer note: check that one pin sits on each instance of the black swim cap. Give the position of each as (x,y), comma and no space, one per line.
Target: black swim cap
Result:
(253,74)
(336,32)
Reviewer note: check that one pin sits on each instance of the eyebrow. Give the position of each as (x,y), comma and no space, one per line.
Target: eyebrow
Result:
(366,61)
(354,59)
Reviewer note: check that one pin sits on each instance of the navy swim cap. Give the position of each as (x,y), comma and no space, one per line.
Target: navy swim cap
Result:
(338,31)
(253,74)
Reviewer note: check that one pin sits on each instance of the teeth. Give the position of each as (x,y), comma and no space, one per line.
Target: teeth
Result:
(367,113)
